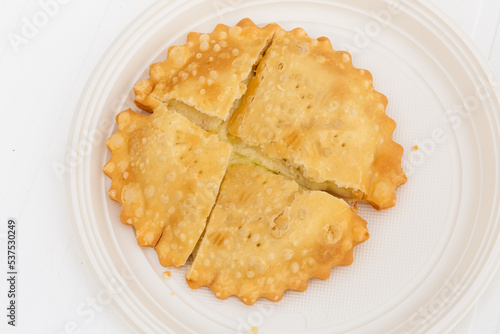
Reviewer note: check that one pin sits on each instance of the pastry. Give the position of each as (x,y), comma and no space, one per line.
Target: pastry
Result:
(309,112)
(165,173)
(259,140)
(203,78)
(267,234)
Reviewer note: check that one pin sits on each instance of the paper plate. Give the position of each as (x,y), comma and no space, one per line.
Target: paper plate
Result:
(428,259)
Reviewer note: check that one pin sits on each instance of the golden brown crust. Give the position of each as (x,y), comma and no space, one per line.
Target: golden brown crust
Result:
(308,106)
(209,71)
(265,236)
(165,173)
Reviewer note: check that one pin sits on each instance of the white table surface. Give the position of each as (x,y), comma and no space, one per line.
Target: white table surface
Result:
(40,78)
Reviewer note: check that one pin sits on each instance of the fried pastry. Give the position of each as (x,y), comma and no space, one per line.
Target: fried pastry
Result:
(203,78)
(267,235)
(166,174)
(303,131)
(308,113)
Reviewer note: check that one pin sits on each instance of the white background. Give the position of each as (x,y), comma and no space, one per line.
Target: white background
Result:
(41,76)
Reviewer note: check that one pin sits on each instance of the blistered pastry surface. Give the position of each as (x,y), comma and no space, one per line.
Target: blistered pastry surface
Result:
(166,174)
(309,106)
(266,236)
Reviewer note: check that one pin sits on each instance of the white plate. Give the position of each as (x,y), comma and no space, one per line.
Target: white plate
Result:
(428,259)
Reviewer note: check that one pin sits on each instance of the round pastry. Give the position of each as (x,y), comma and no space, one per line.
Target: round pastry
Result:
(259,140)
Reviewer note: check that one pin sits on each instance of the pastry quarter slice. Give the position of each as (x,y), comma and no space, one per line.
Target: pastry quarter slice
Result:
(166,173)
(266,235)
(203,78)
(309,112)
